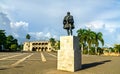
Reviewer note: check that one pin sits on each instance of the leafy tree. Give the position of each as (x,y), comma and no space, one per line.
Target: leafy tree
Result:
(52,42)
(117,48)
(15,41)
(28,37)
(11,42)
(2,38)
(111,49)
(20,47)
(57,45)
(8,42)
(13,47)
(100,50)
(92,50)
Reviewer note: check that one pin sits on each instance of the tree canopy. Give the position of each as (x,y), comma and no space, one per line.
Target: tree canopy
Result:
(28,36)
(54,44)
(90,38)
(7,43)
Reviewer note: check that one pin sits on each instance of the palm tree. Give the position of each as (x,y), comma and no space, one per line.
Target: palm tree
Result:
(85,36)
(89,37)
(82,37)
(98,38)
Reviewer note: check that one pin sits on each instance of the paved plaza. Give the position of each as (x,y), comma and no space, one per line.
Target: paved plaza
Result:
(46,63)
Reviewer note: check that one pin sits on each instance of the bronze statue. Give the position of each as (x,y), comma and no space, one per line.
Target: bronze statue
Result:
(68,23)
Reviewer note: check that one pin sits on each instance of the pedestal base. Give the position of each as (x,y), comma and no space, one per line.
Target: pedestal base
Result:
(69,55)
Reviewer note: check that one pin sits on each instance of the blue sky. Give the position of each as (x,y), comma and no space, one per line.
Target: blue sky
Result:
(42,19)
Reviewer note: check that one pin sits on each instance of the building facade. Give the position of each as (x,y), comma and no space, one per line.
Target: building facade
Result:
(37,46)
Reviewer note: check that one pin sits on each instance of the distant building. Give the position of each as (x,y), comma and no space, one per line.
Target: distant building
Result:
(37,46)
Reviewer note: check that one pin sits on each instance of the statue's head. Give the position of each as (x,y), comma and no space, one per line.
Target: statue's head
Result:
(68,13)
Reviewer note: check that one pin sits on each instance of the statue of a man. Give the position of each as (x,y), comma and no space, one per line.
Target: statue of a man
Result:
(68,23)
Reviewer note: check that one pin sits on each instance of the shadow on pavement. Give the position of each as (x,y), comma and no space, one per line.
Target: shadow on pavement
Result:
(89,65)
(4,67)
(18,66)
(9,67)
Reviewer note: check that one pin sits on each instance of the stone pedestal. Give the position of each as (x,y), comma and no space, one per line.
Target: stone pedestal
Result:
(69,55)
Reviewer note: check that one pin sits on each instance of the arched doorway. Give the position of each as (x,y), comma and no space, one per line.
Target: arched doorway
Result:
(33,49)
(46,48)
(42,49)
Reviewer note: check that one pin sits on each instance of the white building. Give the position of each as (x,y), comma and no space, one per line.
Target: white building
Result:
(37,46)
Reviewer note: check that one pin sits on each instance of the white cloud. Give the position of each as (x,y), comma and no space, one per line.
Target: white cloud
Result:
(36,35)
(99,15)
(95,25)
(5,22)
(17,25)
(19,28)
(109,27)
(48,35)
(112,27)
(41,35)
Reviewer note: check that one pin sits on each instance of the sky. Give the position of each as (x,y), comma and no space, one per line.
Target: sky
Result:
(43,19)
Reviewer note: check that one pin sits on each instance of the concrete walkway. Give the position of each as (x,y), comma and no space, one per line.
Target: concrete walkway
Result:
(46,63)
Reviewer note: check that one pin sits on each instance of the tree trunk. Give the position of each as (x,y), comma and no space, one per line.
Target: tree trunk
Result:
(96,50)
(82,48)
(88,49)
